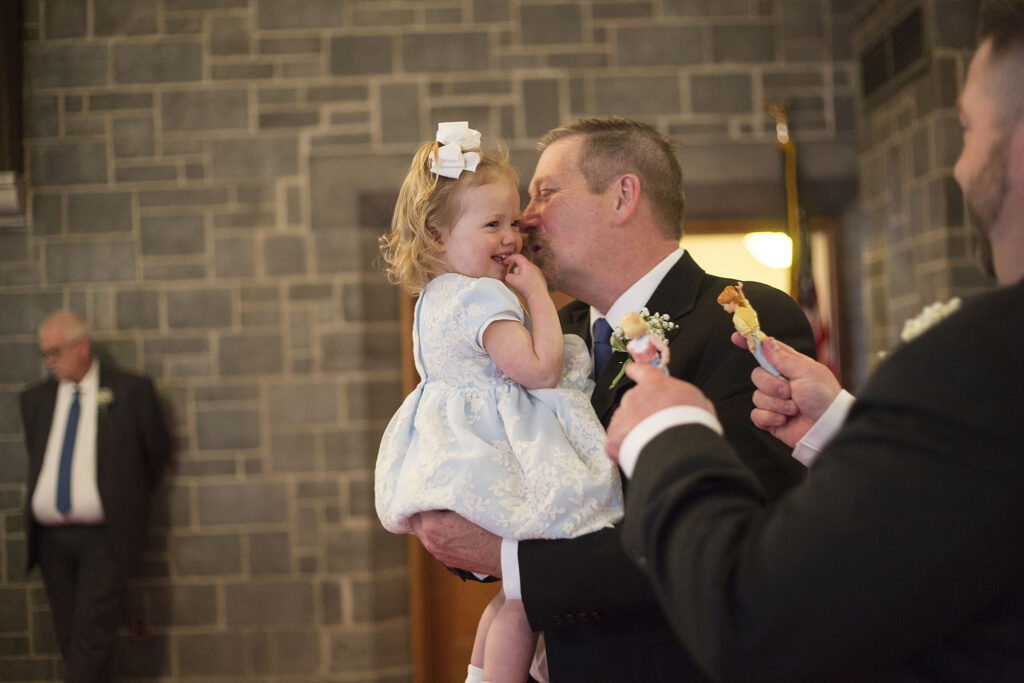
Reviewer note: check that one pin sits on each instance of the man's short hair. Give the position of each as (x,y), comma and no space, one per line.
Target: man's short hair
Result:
(614,146)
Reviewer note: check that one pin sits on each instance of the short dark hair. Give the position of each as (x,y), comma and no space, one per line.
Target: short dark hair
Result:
(1002,21)
(613,146)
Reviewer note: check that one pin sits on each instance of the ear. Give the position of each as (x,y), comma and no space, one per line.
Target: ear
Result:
(626,197)
(436,234)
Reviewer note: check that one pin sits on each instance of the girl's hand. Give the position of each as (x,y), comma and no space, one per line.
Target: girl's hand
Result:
(525,277)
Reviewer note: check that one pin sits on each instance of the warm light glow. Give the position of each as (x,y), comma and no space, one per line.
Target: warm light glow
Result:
(773,249)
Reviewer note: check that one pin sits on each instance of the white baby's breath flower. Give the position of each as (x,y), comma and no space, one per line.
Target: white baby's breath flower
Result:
(104,398)
(931,315)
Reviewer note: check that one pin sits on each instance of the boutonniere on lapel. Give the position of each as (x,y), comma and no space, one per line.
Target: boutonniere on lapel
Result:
(104,399)
(923,321)
(644,337)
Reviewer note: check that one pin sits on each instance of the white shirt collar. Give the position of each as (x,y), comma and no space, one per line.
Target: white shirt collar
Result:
(637,296)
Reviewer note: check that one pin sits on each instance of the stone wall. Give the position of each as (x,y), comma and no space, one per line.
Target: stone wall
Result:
(205,182)
(917,246)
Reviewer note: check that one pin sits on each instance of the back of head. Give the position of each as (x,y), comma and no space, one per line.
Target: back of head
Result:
(614,146)
(1002,23)
(429,204)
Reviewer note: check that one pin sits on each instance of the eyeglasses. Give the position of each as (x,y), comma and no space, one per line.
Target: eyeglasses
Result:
(58,351)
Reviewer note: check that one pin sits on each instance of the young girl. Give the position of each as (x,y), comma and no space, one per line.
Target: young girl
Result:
(500,428)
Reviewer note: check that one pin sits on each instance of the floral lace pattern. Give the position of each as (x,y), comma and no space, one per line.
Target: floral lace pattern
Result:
(520,463)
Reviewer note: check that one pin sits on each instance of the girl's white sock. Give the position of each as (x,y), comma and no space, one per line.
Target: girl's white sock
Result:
(474,674)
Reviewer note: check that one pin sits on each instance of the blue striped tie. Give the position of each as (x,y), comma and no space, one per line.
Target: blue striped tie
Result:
(64,473)
(602,345)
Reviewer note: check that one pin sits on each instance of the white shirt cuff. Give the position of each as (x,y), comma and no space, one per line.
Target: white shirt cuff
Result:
(510,569)
(822,431)
(655,424)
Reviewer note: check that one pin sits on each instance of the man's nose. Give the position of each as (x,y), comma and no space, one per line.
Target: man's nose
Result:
(528,219)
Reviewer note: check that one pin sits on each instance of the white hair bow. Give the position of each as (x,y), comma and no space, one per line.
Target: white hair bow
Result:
(454,138)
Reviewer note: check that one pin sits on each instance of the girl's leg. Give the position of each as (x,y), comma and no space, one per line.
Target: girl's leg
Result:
(476,659)
(511,645)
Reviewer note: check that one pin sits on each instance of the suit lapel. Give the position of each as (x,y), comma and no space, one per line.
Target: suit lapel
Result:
(675,296)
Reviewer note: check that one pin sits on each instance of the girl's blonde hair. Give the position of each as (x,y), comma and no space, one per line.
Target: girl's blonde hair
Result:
(427,204)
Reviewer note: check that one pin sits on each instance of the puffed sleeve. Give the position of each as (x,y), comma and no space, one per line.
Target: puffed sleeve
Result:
(486,301)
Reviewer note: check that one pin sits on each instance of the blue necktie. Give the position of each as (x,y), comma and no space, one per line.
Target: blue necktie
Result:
(64,473)
(602,345)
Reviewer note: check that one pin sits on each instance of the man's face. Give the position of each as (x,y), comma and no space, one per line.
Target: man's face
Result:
(981,168)
(563,218)
(67,359)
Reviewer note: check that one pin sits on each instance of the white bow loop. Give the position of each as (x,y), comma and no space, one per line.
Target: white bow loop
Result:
(454,139)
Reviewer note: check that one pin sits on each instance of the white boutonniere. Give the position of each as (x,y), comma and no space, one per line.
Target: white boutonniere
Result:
(658,325)
(104,399)
(931,315)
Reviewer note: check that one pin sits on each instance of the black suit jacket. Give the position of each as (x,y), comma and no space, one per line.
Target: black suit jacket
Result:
(132,449)
(901,558)
(600,617)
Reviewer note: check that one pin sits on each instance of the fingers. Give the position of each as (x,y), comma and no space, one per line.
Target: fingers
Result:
(783,406)
(642,373)
(769,384)
(739,340)
(767,419)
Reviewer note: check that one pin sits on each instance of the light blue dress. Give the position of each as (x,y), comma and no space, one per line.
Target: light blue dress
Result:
(520,463)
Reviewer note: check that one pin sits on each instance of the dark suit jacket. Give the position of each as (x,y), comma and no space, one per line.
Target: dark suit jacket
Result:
(600,617)
(132,448)
(902,558)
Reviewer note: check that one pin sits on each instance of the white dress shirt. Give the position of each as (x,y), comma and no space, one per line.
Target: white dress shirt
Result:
(633,299)
(86,507)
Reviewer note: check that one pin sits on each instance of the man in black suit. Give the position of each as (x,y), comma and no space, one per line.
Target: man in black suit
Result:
(901,557)
(604,221)
(97,444)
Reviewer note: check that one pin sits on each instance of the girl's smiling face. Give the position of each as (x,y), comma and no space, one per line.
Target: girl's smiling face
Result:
(486,233)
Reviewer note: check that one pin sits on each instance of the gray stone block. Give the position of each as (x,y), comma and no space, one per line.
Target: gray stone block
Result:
(295,652)
(725,93)
(705,8)
(46,214)
(377,301)
(239,72)
(146,173)
(636,95)
(543,111)
(255,157)
(205,109)
(65,19)
(186,198)
(68,163)
(343,351)
(158,62)
(234,257)
(284,255)
(660,45)
(551,24)
(211,654)
(22,313)
(243,503)
(100,212)
(99,261)
(65,65)
(399,118)
(42,116)
(292,452)
(303,404)
(133,137)
(337,93)
(616,9)
(207,555)
(203,308)
(270,553)
(358,649)
(206,5)
(429,52)
(360,55)
(230,36)
(310,292)
(170,235)
(372,400)
(289,119)
(138,310)
(380,598)
(109,101)
(251,355)
(173,272)
(743,43)
(364,549)
(300,14)
(253,604)
(290,46)
(125,17)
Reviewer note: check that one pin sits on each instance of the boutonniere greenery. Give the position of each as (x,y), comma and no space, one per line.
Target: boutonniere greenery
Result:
(658,324)
(104,399)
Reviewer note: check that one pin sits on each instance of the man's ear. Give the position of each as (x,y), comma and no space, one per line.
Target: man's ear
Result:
(627,196)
